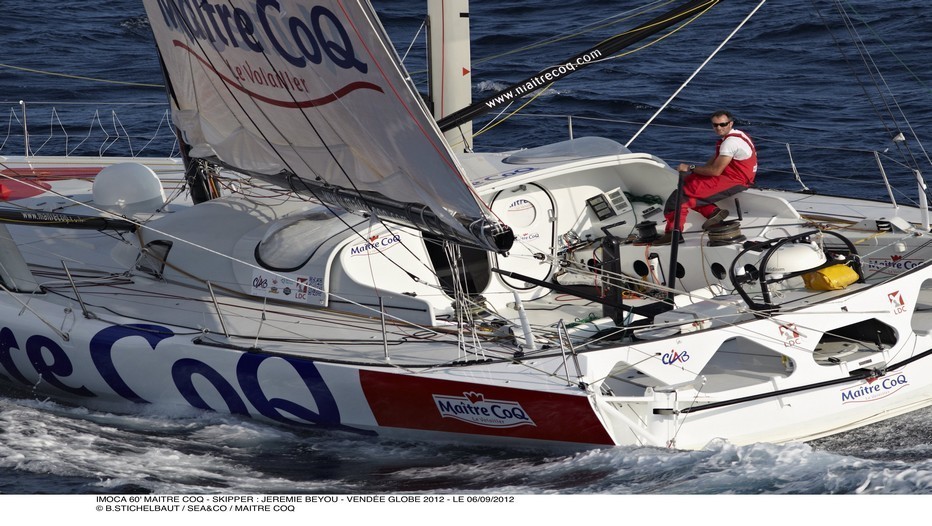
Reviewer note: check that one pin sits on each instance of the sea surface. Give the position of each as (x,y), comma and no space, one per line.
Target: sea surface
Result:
(89,79)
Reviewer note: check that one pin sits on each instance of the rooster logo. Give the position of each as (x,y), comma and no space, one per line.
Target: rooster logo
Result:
(474,397)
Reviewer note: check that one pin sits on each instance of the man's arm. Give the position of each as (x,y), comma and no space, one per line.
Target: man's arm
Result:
(712,168)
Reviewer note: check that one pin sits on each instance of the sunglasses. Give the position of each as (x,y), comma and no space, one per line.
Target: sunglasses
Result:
(720,124)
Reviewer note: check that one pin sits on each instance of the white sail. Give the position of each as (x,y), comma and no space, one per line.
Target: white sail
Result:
(311,89)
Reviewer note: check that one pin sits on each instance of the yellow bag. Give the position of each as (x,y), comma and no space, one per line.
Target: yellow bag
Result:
(835,277)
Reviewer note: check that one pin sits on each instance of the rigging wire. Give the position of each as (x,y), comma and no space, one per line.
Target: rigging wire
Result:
(879,37)
(873,70)
(80,77)
(413,40)
(696,72)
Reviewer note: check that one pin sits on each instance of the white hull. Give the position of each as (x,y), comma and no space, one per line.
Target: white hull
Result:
(119,335)
(335,373)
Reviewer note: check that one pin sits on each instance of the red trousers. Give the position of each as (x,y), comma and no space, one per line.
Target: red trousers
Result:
(700,192)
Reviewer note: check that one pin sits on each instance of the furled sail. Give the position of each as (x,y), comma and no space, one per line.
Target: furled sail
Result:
(311,94)
(556,72)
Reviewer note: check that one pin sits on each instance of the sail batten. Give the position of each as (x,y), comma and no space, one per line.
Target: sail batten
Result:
(313,90)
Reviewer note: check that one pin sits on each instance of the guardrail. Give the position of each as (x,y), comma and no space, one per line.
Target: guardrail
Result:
(145,129)
(860,172)
(66,129)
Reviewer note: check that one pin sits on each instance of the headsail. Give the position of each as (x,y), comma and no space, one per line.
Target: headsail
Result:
(312,94)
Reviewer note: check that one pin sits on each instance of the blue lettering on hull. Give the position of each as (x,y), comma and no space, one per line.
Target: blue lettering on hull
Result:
(102,346)
(53,365)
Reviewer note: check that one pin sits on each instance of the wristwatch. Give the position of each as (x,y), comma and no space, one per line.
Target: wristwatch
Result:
(692,167)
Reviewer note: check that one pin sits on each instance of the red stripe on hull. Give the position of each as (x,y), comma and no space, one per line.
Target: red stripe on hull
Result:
(410,402)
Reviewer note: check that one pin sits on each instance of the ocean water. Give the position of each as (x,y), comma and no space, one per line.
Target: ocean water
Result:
(89,80)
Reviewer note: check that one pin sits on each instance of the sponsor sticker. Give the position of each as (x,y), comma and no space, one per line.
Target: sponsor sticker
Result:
(377,243)
(304,289)
(897,302)
(874,389)
(894,262)
(791,335)
(473,408)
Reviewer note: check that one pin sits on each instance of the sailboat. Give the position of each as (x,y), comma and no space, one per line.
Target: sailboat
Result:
(410,291)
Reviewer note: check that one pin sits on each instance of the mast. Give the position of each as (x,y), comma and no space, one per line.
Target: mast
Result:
(197,174)
(556,72)
(450,65)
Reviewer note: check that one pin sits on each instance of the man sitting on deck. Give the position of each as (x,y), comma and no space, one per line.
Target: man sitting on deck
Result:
(729,171)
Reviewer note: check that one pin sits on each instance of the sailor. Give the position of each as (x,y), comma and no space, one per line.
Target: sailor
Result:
(729,171)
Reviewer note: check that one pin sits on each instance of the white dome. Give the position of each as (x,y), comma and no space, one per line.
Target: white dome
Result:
(794,258)
(128,188)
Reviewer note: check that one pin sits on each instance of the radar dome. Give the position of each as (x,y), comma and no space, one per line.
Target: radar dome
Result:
(794,258)
(128,188)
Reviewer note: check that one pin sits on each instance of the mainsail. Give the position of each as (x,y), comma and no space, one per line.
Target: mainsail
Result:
(311,94)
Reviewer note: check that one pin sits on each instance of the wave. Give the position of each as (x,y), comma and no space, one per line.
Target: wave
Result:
(187,452)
